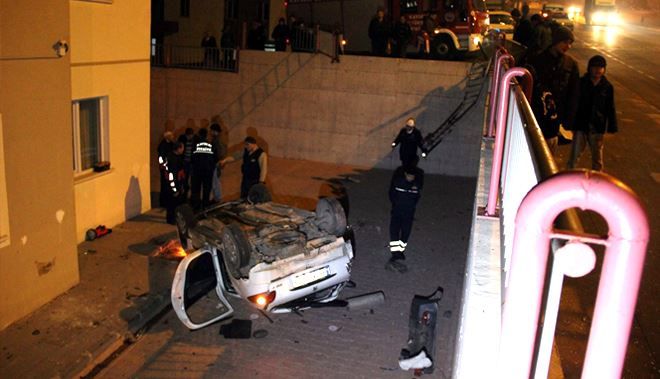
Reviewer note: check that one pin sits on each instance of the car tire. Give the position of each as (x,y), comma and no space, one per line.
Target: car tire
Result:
(258,194)
(185,220)
(235,249)
(330,216)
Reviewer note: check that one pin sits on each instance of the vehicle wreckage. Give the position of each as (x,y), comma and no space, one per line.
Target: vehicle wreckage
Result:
(277,257)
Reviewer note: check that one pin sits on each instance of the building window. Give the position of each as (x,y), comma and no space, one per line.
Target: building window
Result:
(231,9)
(185,8)
(90,133)
(4,212)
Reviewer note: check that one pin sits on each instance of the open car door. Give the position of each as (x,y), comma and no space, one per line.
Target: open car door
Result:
(197,293)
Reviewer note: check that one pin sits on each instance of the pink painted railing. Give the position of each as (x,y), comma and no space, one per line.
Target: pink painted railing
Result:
(500,56)
(504,92)
(620,276)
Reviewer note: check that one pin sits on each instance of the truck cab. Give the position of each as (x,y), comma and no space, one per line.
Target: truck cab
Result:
(443,28)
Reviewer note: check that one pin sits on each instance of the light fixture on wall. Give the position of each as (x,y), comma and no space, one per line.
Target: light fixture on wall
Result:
(61,47)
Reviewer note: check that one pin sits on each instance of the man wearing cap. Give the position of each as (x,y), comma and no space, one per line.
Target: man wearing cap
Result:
(405,191)
(596,114)
(557,73)
(254,167)
(410,138)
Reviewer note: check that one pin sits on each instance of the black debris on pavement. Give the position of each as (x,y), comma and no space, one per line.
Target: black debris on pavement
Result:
(239,329)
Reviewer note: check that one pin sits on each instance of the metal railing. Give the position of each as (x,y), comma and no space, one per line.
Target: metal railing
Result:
(192,57)
(536,202)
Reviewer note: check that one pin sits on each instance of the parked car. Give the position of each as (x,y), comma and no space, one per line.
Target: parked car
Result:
(277,257)
(557,14)
(502,21)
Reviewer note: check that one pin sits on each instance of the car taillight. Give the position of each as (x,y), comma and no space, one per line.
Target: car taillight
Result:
(263,299)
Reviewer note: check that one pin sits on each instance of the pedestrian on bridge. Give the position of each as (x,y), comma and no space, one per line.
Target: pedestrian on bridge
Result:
(596,114)
(410,138)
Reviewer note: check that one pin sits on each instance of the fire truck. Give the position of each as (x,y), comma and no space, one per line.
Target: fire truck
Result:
(444,28)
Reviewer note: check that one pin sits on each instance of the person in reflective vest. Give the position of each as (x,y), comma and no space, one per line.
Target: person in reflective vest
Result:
(204,160)
(405,191)
(176,177)
(164,149)
(254,167)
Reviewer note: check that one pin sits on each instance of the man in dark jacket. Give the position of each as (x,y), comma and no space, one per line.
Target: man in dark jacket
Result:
(176,178)
(596,114)
(402,34)
(254,167)
(379,32)
(188,141)
(556,72)
(280,35)
(204,161)
(410,138)
(405,191)
(165,147)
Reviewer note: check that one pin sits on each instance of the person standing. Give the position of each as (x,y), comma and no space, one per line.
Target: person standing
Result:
(404,193)
(280,35)
(204,160)
(596,114)
(557,73)
(221,151)
(255,165)
(379,33)
(165,147)
(410,138)
(210,46)
(188,141)
(176,178)
(402,34)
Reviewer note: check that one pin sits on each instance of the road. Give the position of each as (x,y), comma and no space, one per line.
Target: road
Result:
(633,156)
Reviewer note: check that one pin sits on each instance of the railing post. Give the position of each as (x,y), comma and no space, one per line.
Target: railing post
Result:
(502,106)
(620,275)
(497,72)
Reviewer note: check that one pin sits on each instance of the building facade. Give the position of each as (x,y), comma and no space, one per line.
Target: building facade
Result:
(74,90)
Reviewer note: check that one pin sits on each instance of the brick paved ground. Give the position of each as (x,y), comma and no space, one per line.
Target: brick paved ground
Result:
(367,342)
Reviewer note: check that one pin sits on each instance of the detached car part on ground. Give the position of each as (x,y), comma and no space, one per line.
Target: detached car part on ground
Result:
(277,257)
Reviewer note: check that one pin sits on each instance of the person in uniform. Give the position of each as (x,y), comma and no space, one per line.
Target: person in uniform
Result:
(405,191)
(176,177)
(204,161)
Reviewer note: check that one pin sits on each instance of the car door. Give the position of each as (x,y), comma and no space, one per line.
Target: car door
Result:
(197,293)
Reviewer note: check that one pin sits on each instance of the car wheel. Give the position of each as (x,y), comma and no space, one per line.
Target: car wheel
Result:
(330,216)
(258,194)
(185,220)
(235,249)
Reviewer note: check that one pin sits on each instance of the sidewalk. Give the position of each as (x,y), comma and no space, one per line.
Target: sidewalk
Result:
(123,287)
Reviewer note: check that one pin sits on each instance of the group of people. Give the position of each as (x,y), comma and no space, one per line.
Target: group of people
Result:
(389,39)
(563,99)
(223,57)
(191,167)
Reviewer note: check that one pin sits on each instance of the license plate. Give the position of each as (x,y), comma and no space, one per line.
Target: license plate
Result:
(309,277)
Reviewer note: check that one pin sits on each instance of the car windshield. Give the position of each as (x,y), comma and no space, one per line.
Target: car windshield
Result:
(500,19)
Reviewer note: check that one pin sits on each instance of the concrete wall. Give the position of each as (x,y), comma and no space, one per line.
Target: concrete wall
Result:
(35,105)
(303,107)
(111,58)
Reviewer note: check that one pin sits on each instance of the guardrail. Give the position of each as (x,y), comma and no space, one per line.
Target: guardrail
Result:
(510,245)
(192,57)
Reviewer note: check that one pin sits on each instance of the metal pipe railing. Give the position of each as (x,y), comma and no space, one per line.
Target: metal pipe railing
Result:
(194,57)
(502,107)
(620,277)
(500,56)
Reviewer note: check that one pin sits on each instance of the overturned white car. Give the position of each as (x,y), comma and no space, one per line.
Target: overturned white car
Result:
(277,257)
